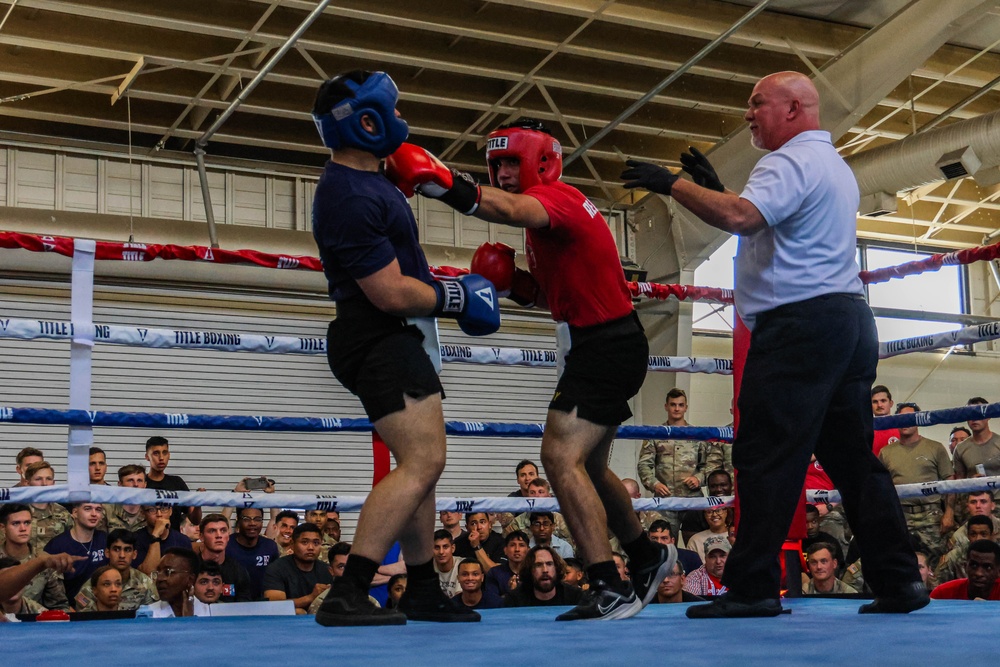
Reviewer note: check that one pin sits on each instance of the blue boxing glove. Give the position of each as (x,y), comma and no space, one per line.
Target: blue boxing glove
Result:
(472,300)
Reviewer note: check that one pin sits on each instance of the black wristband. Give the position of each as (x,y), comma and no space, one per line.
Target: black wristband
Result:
(464,194)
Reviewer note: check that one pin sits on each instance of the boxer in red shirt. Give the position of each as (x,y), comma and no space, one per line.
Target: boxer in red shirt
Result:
(575,270)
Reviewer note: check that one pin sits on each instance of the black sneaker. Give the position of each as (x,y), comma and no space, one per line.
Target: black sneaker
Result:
(348,607)
(731,605)
(912,598)
(429,603)
(647,579)
(605,602)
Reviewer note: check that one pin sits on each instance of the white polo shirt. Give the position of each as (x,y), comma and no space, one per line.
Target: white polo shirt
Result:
(809,198)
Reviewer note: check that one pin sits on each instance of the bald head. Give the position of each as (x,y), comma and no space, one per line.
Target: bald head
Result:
(632,487)
(781,106)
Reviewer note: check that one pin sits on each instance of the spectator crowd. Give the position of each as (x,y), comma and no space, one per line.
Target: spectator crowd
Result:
(170,560)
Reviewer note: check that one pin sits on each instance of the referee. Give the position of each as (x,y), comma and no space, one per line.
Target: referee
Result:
(813,345)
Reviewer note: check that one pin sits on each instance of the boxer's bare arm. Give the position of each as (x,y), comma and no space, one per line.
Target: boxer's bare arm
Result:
(507,208)
(392,292)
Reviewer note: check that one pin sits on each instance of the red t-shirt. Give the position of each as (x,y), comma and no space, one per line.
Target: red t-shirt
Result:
(575,260)
(883,438)
(816,477)
(958,589)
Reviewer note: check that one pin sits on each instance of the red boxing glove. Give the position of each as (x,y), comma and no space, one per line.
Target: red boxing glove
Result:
(495,262)
(411,167)
(524,289)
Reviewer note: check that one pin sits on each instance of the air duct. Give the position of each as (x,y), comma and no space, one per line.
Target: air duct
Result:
(879,203)
(966,148)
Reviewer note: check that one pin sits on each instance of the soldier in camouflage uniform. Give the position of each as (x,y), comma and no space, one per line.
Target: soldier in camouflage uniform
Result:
(978,503)
(129,517)
(138,589)
(952,565)
(539,488)
(911,459)
(677,467)
(47,588)
(854,577)
(118,516)
(30,455)
(319,519)
(823,570)
(47,519)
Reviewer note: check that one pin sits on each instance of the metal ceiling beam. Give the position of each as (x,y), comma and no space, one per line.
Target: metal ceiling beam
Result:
(676,74)
(199,150)
(524,82)
(705,24)
(220,70)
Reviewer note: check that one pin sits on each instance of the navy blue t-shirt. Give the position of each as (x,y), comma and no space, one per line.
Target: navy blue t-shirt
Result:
(497,580)
(361,222)
(143,539)
(254,560)
(64,543)
(489,600)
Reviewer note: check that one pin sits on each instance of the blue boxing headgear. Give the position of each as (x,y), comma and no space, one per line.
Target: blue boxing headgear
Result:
(341,126)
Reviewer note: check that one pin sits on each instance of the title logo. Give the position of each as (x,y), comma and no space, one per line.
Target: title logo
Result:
(486,294)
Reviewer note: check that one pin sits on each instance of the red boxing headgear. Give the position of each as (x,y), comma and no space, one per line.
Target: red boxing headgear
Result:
(539,153)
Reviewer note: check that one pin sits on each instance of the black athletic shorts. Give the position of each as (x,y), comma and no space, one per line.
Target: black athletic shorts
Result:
(605,367)
(379,358)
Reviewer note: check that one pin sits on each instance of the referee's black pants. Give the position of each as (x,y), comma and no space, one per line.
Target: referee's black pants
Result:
(807,388)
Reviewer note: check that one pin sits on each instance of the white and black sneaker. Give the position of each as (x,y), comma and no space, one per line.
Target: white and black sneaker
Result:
(605,601)
(647,579)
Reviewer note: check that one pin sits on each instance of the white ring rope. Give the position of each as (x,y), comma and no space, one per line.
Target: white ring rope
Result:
(242,342)
(976,333)
(188,339)
(331,502)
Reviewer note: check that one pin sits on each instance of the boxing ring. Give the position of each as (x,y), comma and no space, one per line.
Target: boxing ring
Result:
(660,633)
(817,632)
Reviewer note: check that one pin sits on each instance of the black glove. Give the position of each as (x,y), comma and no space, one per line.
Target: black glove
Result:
(648,177)
(701,170)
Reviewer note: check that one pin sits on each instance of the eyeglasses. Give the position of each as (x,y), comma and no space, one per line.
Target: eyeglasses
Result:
(167,572)
(716,512)
(540,524)
(158,510)
(252,519)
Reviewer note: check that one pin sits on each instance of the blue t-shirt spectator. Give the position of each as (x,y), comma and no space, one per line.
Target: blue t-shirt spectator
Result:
(93,550)
(254,560)
(489,600)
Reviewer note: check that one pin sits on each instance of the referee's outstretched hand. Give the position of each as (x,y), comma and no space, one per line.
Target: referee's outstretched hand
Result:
(648,177)
(701,170)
